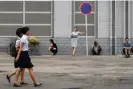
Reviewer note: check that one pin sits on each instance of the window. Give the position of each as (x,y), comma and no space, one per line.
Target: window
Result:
(38,16)
(35,14)
(11,17)
(79,19)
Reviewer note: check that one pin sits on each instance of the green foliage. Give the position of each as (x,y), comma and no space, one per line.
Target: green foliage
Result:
(34,41)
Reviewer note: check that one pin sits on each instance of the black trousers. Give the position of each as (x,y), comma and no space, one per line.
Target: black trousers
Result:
(53,51)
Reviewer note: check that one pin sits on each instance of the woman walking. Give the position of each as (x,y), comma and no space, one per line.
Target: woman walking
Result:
(24,60)
(17,45)
(74,39)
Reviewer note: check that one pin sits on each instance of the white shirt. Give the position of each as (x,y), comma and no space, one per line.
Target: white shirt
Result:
(24,40)
(17,42)
(76,33)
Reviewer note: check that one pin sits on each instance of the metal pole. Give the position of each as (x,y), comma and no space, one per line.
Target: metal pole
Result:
(86,36)
(23,13)
(124,22)
(129,30)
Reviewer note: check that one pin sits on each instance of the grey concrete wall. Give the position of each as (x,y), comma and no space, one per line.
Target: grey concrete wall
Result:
(131,18)
(62,18)
(64,45)
(4,42)
(104,19)
(119,14)
(62,28)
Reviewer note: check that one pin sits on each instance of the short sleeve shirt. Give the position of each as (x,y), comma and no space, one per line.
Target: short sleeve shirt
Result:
(75,33)
(24,40)
(17,42)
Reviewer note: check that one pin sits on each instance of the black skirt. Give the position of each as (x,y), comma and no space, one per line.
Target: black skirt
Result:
(24,61)
(15,63)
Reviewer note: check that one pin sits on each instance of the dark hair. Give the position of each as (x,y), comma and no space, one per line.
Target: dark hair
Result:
(25,29)
(19,32)
(126,39)
(95,43)
(51,40)
(76,27)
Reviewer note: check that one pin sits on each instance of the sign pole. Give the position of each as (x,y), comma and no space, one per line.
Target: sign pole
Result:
(85,9)
(86,35)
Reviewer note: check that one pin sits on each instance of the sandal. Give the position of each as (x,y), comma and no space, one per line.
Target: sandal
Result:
(23,83)
(37,85)
(15,85)
(8,78)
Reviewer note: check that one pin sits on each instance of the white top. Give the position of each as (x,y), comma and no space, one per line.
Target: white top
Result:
(17,42)
(24,40)
(76,33)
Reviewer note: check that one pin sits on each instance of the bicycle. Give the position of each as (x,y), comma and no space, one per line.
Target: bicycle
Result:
(33,49)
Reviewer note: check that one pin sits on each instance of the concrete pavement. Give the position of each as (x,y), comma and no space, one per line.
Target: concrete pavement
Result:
(80,72)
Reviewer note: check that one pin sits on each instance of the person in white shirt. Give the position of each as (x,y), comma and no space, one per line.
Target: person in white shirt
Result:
(74,39)
(23,58)
(17,45)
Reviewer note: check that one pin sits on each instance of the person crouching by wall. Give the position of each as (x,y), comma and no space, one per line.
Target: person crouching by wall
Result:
(96,48)
(127,48)
(53,47)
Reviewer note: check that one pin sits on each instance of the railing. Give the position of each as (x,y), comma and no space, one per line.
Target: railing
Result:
(64,45)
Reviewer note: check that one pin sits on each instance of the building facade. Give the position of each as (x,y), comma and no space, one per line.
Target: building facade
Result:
(109,23)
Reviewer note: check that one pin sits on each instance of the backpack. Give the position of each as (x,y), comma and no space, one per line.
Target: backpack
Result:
(13,49)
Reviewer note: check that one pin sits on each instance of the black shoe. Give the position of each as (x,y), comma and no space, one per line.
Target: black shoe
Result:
(8,78)
(15,85)
(23,83)
(126,56)
(37,85)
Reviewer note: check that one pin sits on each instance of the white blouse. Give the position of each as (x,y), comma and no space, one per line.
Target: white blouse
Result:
(24,40)
(76,33)
(17,42)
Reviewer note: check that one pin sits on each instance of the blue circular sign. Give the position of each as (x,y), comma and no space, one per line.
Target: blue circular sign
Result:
(85,8)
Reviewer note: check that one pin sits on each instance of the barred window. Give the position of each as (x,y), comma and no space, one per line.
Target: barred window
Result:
(35,14)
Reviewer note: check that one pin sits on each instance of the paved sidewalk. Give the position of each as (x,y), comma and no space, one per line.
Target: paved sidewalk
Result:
(80,72)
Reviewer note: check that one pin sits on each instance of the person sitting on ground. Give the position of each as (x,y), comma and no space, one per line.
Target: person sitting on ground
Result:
(53,47)
(126,48)
(96,48)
